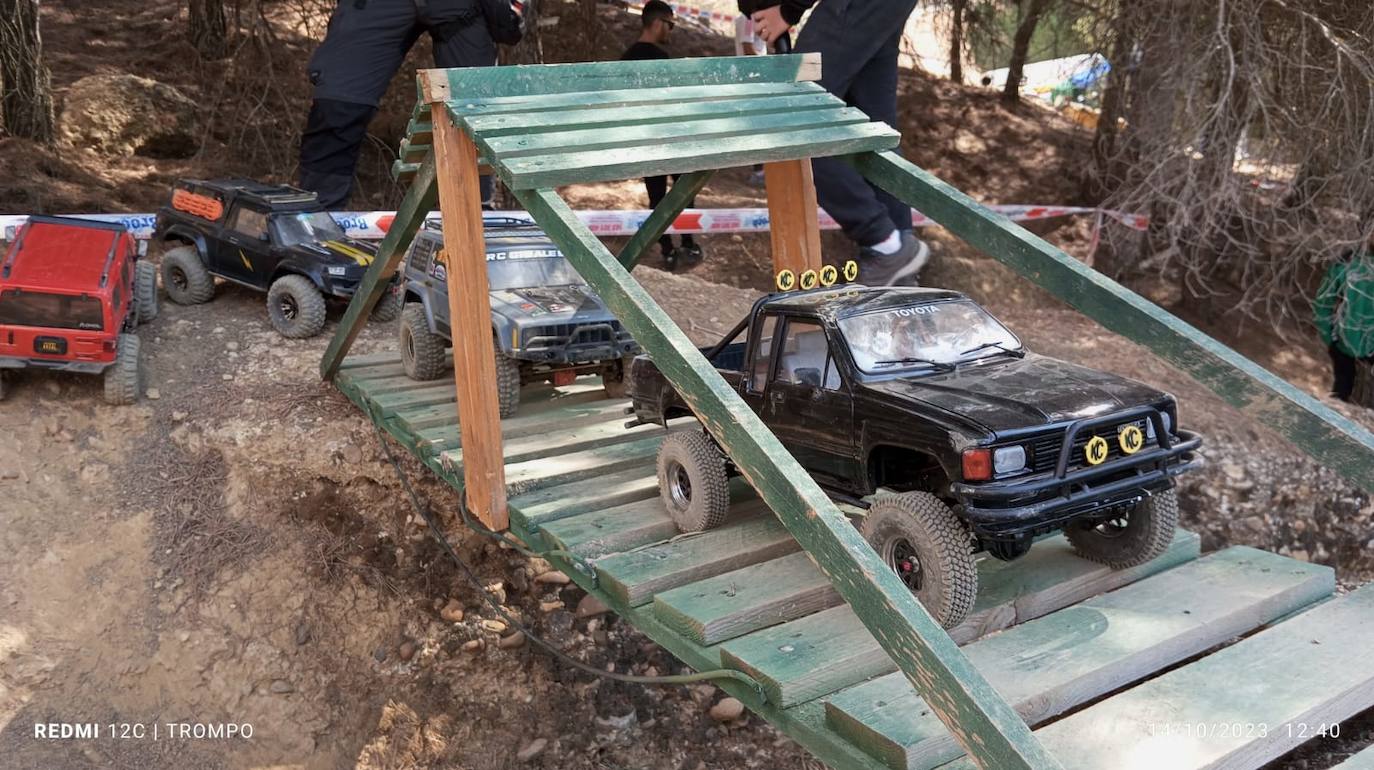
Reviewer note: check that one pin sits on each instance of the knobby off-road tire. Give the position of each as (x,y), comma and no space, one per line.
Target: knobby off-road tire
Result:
(1133,538)
(124,378)
(422,351)
(507,383)
(929,548)
(295,307)
(185,278)
(615,378)
(145,292)
(388,308)
(692,481)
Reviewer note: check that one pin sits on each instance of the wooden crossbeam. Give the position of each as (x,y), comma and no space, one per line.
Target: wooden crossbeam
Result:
(684,190)
(792,216)
(420,198)
(1335,441)
(979,718)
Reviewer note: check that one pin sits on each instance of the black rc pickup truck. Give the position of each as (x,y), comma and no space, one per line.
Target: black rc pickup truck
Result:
(922,407)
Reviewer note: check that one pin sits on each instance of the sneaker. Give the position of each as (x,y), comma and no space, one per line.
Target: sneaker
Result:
(688,255)
(899,268)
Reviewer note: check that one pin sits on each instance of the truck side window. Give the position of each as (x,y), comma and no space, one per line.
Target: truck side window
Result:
(763,352)
(805,358)
(250,223)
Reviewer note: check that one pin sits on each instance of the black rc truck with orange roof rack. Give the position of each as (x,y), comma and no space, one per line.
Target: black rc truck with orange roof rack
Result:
(71,292)
(920,406)
(272,238)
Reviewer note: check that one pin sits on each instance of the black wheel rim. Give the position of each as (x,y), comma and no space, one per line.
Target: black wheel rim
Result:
(901,556)
(679,485)
(1114,527)
(408,345)
(179,279)
(287,303)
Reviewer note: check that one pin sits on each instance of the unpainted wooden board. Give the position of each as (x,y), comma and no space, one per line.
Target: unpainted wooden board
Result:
(1051,664)
(1282,682)
(751,537)
(794,232)
(821,653)
(533,474)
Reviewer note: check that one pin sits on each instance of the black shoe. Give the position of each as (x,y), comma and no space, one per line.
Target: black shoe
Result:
(689,255)
(899,268)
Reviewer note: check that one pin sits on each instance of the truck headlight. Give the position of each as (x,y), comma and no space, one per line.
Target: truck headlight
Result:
(1150,425)
(1008,459)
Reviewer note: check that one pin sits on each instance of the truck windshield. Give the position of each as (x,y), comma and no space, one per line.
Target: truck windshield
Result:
(522,273)
(53,311)
(306,227)
(929,336)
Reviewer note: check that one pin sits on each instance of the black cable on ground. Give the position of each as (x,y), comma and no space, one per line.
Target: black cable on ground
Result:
(423,510)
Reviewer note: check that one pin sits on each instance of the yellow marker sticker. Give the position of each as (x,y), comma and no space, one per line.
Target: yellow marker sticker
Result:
(851,270)
(244,257)
(1131,439)
(786,280)
(1096,450)
(829,275)
(809,279)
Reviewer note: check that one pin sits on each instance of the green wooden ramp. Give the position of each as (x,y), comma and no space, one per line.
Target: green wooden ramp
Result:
(843,658)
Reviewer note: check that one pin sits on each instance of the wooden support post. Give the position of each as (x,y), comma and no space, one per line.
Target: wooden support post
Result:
(420,198)
(469,303)
(792,219)
(684,189)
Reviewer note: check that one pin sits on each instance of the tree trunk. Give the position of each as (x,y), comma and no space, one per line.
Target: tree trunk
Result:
(956,40)
(1020,49)
(25,85)
(209,33)
(1125,29)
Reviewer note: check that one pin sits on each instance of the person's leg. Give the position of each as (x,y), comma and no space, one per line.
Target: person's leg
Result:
(657,187)
(875,92)
(461,39)
(1342,373)
(687,241)
(350,70)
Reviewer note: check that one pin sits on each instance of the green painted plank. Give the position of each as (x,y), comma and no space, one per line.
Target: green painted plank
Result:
(745,600)
(685,188)
(534,400)
(487,127)
(1049,665)
(1311,670)
(371,359)
(404,172)
(750,537)
(420,131)
(378,372)
(414,152)
(629,136)
(565,416)
(422,196)
(389,404)
(373,387)
(530,475)
(539,507)
(631,97)
(487,82)
(553,443)
(1313,427)
(1361,761)
(574,167)
(819,654)
(968,705)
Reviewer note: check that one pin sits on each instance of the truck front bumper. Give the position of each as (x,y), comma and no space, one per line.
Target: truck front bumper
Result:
(585,344)
(1032,505)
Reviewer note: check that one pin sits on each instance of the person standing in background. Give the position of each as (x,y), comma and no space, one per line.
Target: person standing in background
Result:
(656,22)
(858,41)
(1344,314)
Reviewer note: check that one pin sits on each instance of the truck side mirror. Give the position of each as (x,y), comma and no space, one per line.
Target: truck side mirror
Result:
(809,375)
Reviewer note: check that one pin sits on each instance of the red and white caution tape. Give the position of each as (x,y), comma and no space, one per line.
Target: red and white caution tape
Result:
(374,224)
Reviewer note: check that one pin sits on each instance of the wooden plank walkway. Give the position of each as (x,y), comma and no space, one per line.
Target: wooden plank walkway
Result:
(1051,632)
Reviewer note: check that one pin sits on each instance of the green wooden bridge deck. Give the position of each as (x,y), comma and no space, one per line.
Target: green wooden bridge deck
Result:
(1227,659)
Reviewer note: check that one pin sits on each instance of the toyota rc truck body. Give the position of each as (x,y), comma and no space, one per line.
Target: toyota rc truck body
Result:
(546,322)
(71,292)
(272,238)
(922,396)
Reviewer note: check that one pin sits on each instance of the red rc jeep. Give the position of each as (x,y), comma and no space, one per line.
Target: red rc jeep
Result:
(71,293)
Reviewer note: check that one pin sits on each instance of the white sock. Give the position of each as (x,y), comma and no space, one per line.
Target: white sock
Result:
(890,245)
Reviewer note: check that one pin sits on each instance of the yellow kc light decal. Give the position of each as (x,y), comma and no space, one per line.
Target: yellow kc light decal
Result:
(786,280)
(1131,439)
(1095,452)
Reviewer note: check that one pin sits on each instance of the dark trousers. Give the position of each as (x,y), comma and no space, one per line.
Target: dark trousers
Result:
(657,187)
(365,45)
(1342,373)
(858,41)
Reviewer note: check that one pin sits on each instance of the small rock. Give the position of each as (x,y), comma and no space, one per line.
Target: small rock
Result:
(727,710)
(512,642)
(302,633)
(553,578)
(178,415)
(473,645)
(226,377)
(281,686)
(624,722)
(231,345)
(407,650)
(452,612)
(532,749)
(351,454)
(152,394)
(520,581)
(538,566)
(379,654)
(550,606)
(590,607)
(498,591)
(494,626)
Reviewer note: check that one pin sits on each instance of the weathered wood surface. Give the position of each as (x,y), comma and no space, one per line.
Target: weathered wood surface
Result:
(473,83)
(982,721)
(419,199)
(1335,441)
(794,231)
(595,411)
(533,401)
(684,190)
(469,303)
(632,97)
(494,131)
(1283,682)
(818,654)
(554,443)
(1049,665)
(535,474)
(751,536)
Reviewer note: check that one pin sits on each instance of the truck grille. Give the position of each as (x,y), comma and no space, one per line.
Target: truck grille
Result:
(1044,450)
(561,331)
